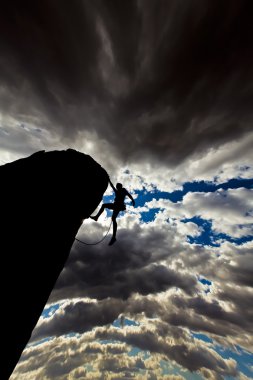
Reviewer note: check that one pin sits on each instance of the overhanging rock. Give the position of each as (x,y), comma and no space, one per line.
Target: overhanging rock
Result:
(44,199)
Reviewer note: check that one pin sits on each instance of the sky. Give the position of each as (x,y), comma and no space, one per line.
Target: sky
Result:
(160,94)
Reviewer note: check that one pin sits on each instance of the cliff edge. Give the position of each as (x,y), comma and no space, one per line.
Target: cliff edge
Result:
(44,199)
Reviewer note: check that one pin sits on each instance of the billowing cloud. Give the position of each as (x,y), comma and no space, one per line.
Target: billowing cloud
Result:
(66,355)
(155,81)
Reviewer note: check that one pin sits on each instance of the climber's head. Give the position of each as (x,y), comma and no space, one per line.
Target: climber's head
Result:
(119,186)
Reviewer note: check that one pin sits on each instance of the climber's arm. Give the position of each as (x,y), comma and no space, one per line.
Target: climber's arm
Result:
(132,199)
(110,182)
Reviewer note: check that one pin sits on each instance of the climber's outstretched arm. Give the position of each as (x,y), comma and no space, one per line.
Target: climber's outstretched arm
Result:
(110,182)
(132,199)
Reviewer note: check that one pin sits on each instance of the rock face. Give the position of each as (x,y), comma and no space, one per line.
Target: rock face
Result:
(44,199)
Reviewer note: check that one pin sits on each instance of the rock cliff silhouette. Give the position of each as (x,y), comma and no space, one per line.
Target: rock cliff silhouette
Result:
(45,198)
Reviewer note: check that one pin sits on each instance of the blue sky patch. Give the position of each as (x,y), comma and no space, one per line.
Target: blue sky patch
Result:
(149,216)
(242,358)
(204,281)
(208,237)
(50,310)
(121,322)
(203,337)
(144,196)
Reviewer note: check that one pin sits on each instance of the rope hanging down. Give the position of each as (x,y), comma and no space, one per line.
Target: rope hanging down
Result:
(100,241)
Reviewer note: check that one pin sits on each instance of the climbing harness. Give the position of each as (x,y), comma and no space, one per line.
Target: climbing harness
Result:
(100,241)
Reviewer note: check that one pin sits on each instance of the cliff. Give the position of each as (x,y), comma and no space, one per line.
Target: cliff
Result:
(44,199)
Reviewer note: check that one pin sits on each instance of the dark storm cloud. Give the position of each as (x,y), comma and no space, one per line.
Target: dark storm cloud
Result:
(166,77)
(214,311)
(55,358)
(242,274)
(191,357)
(239,272)
(104,272)
(78,317)
(160,339)
(240,297)
(130,271)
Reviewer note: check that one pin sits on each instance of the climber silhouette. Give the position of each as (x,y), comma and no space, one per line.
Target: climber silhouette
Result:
(117,206)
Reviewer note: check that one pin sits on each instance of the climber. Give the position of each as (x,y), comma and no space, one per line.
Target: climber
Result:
(117,206)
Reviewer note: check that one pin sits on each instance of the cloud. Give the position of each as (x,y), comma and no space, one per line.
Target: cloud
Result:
(151,277)
(160,94)
(66,355)
(167,92)
(103,272)
(153,273)
(67,358)
(228,210)
(232,220)
(78,317)
(188,355)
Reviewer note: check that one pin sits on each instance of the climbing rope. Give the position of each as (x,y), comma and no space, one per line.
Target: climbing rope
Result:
(100,241)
